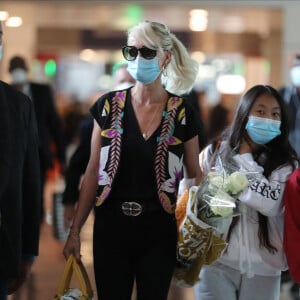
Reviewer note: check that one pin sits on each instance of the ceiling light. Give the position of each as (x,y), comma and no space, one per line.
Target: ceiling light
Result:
(14,22)
(3,15)
(198,20)
(231,84)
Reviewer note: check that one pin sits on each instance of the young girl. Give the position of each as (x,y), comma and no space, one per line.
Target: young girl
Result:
(252,263)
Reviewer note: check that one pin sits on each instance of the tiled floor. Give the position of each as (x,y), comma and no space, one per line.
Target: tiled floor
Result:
(50,263)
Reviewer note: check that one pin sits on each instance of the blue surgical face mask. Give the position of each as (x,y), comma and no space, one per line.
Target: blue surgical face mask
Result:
(19,76)
(262,130)
(295,76)
(144,70)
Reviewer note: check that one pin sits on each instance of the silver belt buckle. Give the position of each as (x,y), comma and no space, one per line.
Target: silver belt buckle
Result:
(131,209)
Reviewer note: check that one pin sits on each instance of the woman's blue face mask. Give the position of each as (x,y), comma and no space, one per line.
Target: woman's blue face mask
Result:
(144,70)
(262,130)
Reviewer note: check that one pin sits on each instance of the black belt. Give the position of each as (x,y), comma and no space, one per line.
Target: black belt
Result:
(134,209)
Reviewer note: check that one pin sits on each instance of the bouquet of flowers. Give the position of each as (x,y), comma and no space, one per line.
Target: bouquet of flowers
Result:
(205,212)
(197,243)
(217,195)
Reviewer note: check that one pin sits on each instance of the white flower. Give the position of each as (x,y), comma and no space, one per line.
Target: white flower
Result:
(222,204)
(238,182)
(218,180)
(233,183)
(222,190)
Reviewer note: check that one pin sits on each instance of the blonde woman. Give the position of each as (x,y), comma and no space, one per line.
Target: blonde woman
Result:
(144,137)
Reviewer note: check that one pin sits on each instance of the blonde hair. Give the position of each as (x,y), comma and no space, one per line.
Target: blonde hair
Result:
(182,70)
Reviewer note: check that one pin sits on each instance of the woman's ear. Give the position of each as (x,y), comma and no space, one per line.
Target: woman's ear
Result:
(168,57)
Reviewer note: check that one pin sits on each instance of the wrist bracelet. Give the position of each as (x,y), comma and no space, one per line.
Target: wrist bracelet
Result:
(74,234)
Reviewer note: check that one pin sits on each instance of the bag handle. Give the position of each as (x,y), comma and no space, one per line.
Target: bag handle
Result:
(81,276)
(65,279)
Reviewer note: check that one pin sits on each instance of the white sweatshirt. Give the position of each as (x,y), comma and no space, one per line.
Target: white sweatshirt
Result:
(265,195)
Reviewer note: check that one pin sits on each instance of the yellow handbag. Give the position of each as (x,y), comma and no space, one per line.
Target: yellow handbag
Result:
(64,292)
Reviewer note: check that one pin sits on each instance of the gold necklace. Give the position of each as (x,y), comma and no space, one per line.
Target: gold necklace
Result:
(145,132)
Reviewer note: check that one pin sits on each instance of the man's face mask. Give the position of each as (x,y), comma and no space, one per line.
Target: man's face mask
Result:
(19,76)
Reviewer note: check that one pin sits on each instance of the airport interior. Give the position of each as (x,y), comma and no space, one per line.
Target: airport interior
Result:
(73,45)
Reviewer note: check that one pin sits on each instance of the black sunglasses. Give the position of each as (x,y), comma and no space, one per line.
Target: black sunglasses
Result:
(130,52)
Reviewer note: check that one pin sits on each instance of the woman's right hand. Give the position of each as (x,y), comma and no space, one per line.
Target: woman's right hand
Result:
(72,246)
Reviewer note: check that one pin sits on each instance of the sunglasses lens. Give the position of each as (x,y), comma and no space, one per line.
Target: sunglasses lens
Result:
(147,53)
(129,53)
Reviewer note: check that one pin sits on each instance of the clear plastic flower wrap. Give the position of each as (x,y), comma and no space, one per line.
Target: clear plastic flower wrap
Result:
(217,195)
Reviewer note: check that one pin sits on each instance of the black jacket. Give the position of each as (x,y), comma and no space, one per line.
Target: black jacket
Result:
(19,182)
(78,162)
(49,124)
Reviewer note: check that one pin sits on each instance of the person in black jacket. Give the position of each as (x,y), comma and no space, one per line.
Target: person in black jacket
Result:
(76,169)
(19,188)
(193,98)
(48,121)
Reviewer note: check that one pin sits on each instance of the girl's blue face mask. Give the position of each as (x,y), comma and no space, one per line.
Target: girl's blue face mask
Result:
(262,130)
(144,70)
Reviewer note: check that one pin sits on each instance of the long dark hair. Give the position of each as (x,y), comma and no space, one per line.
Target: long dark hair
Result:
(276,153)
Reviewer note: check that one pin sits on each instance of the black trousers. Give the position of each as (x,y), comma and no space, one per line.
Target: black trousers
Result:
(126,248)
(3,290)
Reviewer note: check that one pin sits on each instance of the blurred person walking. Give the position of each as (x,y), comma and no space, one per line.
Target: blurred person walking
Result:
(142,136)
(193,98)
(48,121)
(19,187)
(291,96)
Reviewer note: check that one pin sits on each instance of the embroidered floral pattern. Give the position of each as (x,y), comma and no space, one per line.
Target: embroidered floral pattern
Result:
(103,177)
(166,139)
(175,173)
(114,133)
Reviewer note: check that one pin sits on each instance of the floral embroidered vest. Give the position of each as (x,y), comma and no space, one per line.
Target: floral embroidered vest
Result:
(169,151)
